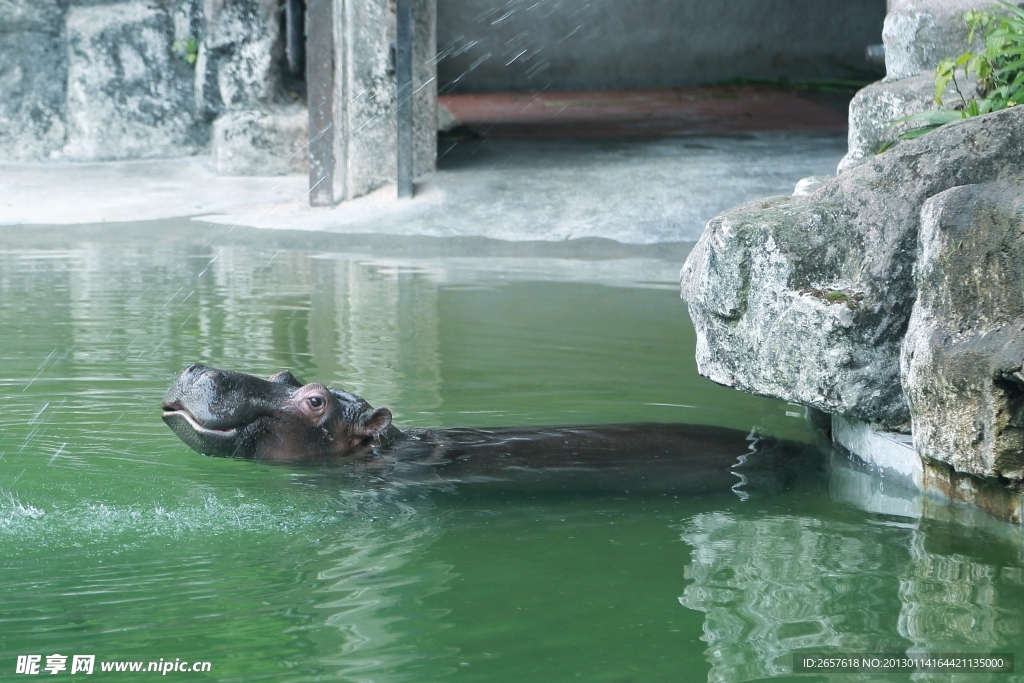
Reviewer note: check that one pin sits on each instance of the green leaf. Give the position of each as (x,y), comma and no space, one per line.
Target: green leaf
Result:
(918,132)
(935,117)
(1012,8)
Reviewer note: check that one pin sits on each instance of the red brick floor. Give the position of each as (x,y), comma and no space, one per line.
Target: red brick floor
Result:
(618,113)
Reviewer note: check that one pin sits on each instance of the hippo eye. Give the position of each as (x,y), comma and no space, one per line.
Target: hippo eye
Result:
(316,401)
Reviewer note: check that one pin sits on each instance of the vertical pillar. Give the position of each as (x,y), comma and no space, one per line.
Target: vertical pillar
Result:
(354,97)
(320,77)
(403,74)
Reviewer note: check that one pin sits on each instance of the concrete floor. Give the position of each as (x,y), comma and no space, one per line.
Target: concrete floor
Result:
(609,174)
(638,191)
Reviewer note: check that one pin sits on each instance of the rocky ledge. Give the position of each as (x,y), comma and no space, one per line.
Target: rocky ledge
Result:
(891,295)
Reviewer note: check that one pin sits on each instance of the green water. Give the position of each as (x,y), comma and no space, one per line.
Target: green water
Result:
(118,541)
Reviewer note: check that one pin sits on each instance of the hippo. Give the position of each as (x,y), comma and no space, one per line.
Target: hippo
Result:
(281,420)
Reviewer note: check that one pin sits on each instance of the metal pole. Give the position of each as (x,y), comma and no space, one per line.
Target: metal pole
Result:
(320,92)
(403,74)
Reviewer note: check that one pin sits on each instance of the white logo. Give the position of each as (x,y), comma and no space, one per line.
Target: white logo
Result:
(82,664)
(28,664)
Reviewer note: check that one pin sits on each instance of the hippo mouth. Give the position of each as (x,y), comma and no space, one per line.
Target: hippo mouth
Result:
(173,412)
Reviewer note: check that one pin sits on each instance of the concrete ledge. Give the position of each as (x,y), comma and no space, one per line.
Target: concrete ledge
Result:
(892,458)
(891,453)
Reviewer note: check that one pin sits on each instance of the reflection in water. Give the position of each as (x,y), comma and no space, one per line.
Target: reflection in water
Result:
(952,603)
(776,585)
(364,598)
(771,586)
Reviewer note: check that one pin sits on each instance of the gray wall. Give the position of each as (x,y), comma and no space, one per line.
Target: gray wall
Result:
(490,45)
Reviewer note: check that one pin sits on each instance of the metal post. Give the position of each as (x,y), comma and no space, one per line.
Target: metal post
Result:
(403,75)
(320,92)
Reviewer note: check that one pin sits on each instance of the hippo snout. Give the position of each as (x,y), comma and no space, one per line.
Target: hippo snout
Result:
(220,412)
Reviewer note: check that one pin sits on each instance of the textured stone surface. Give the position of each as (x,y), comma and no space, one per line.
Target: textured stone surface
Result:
(808,298)
(129,96)
(917,34)
(963,353)
(42,16)
(810,184)
(262,142)
(236,64)
(32,82)
(874,108)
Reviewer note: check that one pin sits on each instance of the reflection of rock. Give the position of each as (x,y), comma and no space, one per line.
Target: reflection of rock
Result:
(951,603)
(378,323)
(770,586)
(775,585)
(370,327)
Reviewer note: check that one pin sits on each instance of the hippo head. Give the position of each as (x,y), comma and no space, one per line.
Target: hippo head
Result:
(232,414)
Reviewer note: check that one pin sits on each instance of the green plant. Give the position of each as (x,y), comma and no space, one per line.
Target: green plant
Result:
(998,68)
(187,49)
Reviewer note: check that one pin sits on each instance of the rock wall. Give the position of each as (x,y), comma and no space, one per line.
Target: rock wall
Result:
(95,80)
(92,81)
(128,95)
(808,298)
(237,57)
(33,76)
(963,353)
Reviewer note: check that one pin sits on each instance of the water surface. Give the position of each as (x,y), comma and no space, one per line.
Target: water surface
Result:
(119,541)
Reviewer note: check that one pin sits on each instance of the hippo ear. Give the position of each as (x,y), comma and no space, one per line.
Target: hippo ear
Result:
(286,378)
(372,424)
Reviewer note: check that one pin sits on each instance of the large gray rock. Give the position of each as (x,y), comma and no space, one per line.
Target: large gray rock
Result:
(262,142)
(129,96)
(32,82)
(236,62)
(807,298)
(874,108)
(918,34)
(963,353)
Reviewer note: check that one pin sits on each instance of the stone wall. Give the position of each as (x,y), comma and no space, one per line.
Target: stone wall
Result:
(33,76)
(88,81)
(97,80)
